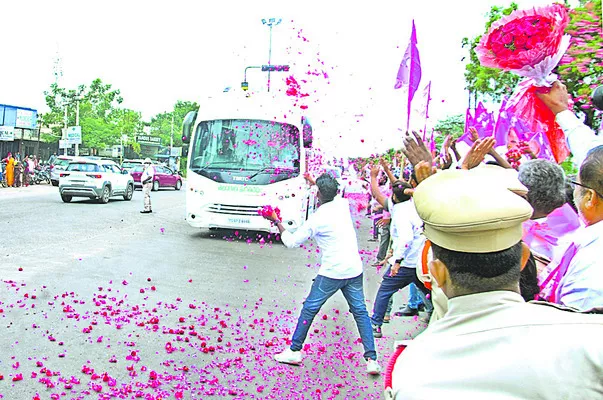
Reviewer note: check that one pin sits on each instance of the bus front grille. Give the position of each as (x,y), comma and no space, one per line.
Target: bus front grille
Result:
(233,210)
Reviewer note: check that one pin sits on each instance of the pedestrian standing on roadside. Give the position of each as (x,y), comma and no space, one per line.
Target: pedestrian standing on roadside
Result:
(341,269)
(25,166)
(148,174)
(10,169)
(18,173)
(31,168)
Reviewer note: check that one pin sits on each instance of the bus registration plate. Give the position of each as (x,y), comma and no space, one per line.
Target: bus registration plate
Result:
(239,220)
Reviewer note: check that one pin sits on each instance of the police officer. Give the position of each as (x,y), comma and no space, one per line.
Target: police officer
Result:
(491,343)
(148,174)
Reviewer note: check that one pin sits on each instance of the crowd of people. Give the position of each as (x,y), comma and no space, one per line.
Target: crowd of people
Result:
(504,257)
(17,170)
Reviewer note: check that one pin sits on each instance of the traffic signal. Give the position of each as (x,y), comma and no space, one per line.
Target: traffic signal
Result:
(284,68)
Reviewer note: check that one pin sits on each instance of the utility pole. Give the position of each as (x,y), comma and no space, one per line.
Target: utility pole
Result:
(172,135)
(77,123)
(65,130)
(271,22)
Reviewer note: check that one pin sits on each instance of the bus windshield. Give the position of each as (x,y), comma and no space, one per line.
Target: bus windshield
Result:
(254,146)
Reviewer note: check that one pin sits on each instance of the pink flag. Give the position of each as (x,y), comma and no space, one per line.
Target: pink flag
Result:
(466,137)
(484,121)
(409,72)
(428,98)
(503,124)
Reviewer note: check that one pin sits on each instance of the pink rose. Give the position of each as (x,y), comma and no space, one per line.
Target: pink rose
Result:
(507,38)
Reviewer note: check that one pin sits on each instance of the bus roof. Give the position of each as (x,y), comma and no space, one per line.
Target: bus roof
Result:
(275,106)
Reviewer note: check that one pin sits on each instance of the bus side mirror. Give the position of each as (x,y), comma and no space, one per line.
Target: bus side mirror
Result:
(307,132)
(187,126)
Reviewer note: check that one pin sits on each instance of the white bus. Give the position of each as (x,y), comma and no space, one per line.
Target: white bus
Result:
(247,151)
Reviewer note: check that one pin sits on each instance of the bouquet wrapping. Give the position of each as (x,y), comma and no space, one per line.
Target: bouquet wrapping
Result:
(530,43)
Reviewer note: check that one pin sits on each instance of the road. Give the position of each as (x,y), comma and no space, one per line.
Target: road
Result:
(100,300)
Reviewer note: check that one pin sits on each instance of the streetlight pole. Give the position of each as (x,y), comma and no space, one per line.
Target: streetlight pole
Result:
(271,22)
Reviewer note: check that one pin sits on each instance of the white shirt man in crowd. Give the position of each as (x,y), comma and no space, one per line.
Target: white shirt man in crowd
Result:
(491,344)
(407,242)
(332,228)
(580,272)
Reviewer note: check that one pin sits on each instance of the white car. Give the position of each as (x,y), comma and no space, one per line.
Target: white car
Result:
(58,165)
(95,179)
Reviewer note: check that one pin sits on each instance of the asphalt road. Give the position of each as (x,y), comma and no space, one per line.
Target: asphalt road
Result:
(100,301)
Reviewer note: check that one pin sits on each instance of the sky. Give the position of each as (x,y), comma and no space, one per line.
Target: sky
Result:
(159,52)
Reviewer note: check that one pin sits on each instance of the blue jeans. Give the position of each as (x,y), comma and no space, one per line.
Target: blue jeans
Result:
(322,289)
(416,298)
(389,286)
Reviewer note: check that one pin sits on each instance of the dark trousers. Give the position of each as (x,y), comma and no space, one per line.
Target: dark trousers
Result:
(389,286)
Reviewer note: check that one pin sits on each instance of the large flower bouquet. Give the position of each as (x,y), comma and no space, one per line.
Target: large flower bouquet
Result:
(530,43)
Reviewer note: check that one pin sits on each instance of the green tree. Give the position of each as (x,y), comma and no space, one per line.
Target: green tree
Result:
(161,124)
(581,68)
(102,119)
(483,82)
(453,125)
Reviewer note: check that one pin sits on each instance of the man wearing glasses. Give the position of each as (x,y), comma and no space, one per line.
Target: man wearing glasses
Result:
(579,274)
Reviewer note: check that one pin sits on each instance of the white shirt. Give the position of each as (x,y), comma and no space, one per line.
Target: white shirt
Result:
(495,346)
(332,228)
(580,138)
(148,172)
(406,230)
(582,285)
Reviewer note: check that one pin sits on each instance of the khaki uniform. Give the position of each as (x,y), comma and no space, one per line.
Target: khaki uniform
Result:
(493,345)
(146,190)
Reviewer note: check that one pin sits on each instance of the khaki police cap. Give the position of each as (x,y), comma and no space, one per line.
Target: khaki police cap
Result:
(472,211)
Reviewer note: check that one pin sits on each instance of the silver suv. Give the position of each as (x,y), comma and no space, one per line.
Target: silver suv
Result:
(95,179)
(58,165)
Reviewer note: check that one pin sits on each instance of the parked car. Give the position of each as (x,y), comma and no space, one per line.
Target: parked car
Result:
(58,165)
(164,177)
(130,164)
(95,179)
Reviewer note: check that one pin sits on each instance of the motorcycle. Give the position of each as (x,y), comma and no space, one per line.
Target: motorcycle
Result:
(41,175)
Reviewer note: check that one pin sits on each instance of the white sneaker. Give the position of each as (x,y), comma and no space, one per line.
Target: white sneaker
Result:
(289,357)
(372,367)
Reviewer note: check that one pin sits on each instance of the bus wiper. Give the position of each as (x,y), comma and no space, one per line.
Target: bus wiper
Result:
(267,168)
(210,165)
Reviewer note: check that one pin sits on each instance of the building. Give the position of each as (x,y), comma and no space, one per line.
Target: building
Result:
(20,132)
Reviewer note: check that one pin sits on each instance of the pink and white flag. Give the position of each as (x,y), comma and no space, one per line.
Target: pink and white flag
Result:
(409,72)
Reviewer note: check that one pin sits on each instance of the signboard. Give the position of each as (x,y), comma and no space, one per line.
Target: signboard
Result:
(145,139)
(116,151)
(176,152)
(7,134)
(64,144)
(26,119)
(74,135)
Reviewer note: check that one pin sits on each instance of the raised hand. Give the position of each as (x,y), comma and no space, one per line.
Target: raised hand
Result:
(478,151)
(415,150)
(473,133)
(374,171)
(556,99)
(424,170)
